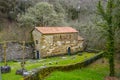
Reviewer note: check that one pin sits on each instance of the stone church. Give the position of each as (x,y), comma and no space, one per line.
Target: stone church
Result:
(51,41)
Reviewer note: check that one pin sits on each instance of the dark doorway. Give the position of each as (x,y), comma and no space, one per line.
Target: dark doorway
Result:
(69,51)
(38,55)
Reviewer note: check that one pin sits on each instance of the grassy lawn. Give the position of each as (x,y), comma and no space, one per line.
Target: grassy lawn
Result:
(53,61)
(95,71)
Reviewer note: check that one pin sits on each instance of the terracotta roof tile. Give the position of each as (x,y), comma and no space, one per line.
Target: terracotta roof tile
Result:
(53,30)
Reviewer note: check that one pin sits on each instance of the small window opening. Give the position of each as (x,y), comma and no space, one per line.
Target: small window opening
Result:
(36,41)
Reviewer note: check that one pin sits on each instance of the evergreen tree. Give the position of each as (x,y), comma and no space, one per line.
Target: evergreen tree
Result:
(10,8)
(7,7)
(111,17)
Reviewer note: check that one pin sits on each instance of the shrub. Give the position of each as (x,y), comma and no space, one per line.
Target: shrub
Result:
(42,14)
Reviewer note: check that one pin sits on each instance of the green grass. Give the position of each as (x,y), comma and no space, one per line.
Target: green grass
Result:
(82,74)
(95,71)
(31,64)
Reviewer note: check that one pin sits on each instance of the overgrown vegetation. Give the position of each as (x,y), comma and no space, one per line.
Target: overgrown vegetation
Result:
(79,74)
(55,61)
(19,17)
(9,9)
(110,24)
(42,14)
(96,71)
(80,14)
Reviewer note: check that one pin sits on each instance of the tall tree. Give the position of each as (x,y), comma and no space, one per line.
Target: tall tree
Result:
(110,16)
(42,14)
(10,8)
(7,7)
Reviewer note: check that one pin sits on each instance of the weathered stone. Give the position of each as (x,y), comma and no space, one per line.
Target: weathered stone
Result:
(73,57)
(5,69)
(64,57)
(26,73)
(43,67)
(31,61)
(80,54)
(59,43)
(55,44)
(68,42)
(20,71)
(14,51)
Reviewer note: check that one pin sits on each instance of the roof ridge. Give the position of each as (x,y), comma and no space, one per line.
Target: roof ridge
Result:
(53,30)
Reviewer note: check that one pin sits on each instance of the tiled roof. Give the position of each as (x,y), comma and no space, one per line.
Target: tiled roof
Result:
(53,30)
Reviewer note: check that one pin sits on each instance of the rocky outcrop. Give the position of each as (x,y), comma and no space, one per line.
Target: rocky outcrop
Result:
(14,51)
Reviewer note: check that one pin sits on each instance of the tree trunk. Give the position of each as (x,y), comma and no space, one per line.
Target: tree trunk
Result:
(110,38)
(111,51)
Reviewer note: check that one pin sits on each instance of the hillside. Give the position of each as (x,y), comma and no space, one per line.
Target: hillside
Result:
(38,37)
(12,30)
(84,20)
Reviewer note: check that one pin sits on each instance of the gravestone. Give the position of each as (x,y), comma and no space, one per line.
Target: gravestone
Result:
(20,71)
(80,54)
(5,69)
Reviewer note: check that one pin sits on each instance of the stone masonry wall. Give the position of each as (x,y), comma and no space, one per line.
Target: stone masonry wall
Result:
(58,44)
(14,51)
(37,37)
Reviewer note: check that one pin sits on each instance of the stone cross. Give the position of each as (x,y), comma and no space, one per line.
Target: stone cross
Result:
(0,74)
(23,58)
(4,47)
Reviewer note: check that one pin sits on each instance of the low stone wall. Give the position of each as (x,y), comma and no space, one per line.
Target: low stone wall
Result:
(40,74)
(14,51)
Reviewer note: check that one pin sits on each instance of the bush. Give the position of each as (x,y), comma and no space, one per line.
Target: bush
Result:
(42,14)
